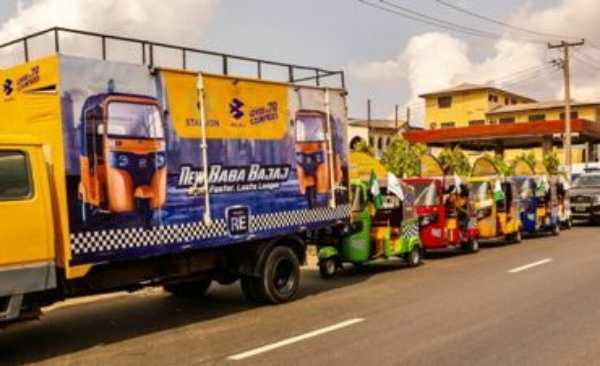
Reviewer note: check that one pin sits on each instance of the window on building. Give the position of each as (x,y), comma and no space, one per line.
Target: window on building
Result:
(15,181)
(506,101)
(493,98)
(371,141)
(445,102)
(477,122)
(447,125)
(513,101)
(506,120)
(574,115)
(537,117)
(380,144)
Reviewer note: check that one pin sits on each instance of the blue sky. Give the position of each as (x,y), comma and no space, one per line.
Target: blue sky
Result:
(346,34)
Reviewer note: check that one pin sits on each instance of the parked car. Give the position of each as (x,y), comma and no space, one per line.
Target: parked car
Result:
(585,197)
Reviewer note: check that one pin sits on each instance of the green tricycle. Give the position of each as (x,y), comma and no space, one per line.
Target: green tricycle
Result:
(385,230)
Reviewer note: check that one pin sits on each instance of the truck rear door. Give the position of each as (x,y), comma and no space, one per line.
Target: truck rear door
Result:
(26,239)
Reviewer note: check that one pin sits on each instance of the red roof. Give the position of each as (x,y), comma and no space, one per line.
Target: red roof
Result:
(515,135)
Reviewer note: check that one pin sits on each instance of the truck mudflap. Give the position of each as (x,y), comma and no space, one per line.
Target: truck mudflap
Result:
(18,281)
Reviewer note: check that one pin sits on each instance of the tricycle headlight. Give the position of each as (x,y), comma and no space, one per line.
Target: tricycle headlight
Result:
(161,160)
(122,161)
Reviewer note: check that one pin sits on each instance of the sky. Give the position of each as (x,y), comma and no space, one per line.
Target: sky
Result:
(387,58)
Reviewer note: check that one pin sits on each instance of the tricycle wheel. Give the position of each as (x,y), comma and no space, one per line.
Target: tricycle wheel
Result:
(569,224)
(518,237)
(327,268)
(472,246)
(414,257)
(556,229)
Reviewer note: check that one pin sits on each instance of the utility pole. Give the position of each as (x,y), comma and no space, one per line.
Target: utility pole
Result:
(567,79)
(397,121)
(369,121)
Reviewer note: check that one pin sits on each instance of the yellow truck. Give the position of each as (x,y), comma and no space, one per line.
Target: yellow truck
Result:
(115,176)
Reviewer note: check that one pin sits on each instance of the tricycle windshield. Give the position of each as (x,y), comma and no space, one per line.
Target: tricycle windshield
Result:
(480,192)
(310,128)
(526,187)
(588,181)
(359,200)
(427,194)
(134,120)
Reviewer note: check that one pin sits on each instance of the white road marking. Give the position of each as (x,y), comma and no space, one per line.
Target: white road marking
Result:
(530,265)
(299,338)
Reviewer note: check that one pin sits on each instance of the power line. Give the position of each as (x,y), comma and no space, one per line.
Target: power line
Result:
(436,22)
(504,24)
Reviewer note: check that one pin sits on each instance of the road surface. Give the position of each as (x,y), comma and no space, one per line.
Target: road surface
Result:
(535,303)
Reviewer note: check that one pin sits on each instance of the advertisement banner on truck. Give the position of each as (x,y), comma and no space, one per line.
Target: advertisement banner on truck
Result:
(235,109)
(136,175)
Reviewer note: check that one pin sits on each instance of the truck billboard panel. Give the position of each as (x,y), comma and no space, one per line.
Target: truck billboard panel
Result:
(134,167)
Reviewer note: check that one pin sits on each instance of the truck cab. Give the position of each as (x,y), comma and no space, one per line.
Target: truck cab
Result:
(27,251)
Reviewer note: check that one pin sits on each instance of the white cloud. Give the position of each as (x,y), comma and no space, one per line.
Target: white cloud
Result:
(181,21)
(436,60)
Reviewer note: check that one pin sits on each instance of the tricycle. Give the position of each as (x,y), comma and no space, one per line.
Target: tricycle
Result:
(445,220)
(382,227)
(495,203)
(539,202)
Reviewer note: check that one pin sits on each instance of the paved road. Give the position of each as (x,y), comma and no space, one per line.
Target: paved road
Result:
(454,310)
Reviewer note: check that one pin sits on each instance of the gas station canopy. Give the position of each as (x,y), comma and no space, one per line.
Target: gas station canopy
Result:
(507,136)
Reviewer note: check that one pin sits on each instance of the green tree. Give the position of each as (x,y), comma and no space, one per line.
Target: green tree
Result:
(527,157)
(455,161)
(403,158)
(504,168)
(552,162)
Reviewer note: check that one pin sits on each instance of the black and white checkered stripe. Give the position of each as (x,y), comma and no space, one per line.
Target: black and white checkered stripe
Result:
(410,228)
(91,242)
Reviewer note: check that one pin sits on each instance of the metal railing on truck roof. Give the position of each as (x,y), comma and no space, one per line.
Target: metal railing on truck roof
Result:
(148,53)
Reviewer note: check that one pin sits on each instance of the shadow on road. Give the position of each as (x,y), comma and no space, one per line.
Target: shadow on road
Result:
(81,327)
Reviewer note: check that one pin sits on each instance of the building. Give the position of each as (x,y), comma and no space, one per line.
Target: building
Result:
(471,107)
(377,133)
(466,105)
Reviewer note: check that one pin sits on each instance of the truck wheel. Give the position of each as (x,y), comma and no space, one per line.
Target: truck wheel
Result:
(188,289)
(327,268)
(414,257)
(280,276)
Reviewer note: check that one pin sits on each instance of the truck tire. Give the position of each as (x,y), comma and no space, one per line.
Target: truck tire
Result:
(188,289)
(327,268)
(280,276)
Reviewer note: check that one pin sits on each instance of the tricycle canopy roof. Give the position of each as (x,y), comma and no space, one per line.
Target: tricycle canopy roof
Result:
(484,167)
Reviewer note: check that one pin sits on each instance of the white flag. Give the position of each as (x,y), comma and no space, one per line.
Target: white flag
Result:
(457,183)
(394,186)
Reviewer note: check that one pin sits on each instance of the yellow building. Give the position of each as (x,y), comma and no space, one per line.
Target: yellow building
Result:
(466,105)
(479,105)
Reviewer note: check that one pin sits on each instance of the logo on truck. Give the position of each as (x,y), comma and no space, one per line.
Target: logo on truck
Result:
(8,88)
(235,108)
